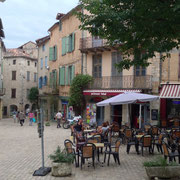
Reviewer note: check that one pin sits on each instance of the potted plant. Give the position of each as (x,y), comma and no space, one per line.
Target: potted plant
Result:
(61,162)
(162,169)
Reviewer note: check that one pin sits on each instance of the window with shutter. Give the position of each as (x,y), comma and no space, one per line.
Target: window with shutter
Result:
(41,63)
(73,41)
(55,52)
(97,66)
(63,46)
(73,73)
(51,53)
(116,58)
(62,76)
(67,76)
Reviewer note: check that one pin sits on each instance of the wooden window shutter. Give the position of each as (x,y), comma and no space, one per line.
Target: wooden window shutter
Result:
(67,44)
(73,72)
(50,53)
(73,41)
(51,79)
(67,77)
(55,79)
(62,71)
(63,46)
(55,52)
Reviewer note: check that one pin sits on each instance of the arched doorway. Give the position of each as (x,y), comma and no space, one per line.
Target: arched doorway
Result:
(34,107)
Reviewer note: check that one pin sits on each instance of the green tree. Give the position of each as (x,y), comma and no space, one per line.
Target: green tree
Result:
(139,27)
(33,95)
(79,83)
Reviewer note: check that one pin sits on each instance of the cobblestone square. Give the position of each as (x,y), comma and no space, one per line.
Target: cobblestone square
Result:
(20,156)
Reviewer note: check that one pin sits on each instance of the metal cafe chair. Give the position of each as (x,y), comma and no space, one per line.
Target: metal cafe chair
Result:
(87,152)
(113,150)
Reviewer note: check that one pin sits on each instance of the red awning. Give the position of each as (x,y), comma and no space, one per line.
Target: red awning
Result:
(108,92)
(170,91)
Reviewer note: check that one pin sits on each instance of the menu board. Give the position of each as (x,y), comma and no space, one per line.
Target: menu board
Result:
(154,114)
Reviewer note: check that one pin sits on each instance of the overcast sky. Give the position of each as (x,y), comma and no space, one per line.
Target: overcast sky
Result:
(29,20)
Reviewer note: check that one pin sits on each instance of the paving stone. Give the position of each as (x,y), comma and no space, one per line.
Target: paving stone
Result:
(20,156)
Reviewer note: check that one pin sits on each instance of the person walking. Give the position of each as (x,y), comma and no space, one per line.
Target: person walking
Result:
(14,116)
(58,117)
(21,118)
(31,116)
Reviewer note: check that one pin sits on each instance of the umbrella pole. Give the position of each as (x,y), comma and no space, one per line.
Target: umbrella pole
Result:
(140,107)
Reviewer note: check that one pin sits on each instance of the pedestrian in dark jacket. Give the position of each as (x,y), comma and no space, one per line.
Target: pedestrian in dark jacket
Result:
(21,118)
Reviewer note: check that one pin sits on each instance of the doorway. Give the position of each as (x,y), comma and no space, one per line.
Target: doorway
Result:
(116,114)
(100,115)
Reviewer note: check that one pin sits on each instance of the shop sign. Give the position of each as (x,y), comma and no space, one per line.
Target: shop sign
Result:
(154,114)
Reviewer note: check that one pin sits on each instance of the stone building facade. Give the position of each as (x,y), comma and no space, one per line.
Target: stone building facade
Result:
(2,51)
(20,75)
(43,75)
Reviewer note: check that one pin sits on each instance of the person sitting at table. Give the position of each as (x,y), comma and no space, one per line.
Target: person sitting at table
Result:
(79,126)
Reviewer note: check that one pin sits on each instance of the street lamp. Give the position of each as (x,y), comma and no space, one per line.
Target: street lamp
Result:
(2,0)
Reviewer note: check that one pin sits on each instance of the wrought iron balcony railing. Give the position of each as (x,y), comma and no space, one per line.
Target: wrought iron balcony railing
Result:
(91,43)
(129,81)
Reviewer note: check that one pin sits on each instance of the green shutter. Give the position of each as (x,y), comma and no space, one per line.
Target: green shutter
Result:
(50,80)
(62,71)
(55,52)
(63,46)
(55,79)
(67,82)
(73,41)
(50,53)
(73,72)
(59,75)
(67,44)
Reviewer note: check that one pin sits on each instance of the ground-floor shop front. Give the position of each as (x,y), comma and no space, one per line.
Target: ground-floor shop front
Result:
(170,104)
(122,114)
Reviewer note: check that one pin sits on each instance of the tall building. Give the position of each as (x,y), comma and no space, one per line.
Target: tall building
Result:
(20,75)
(2,51)
(43,76)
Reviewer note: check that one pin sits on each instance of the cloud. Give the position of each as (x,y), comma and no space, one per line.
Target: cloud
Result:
(25,21)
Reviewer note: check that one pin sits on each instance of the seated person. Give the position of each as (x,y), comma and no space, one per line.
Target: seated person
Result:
(79,126)
(102,129)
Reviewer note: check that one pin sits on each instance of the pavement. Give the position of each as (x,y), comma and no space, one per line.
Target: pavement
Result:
(20,156)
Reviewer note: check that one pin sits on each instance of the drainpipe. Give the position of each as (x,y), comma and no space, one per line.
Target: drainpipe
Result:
(82,36)
(168,69)
(160,70)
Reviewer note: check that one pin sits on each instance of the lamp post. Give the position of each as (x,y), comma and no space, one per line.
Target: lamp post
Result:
(2,0)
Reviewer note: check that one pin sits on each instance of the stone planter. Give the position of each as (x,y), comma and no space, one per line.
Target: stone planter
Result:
(163,172)
(61,169)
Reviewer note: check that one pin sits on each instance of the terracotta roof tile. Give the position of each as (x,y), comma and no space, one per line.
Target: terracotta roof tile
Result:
(16,53)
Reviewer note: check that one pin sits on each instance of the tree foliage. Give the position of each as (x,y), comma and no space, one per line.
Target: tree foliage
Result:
(141,28)
(79,83)
(33,95)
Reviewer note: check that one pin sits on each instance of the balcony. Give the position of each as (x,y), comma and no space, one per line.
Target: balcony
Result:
(125,82)
(90,44)
(2,91)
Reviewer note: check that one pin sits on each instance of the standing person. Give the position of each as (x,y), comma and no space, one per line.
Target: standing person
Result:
(17,116)
(21,118)
(58,117)
(31,116)
(14,116)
